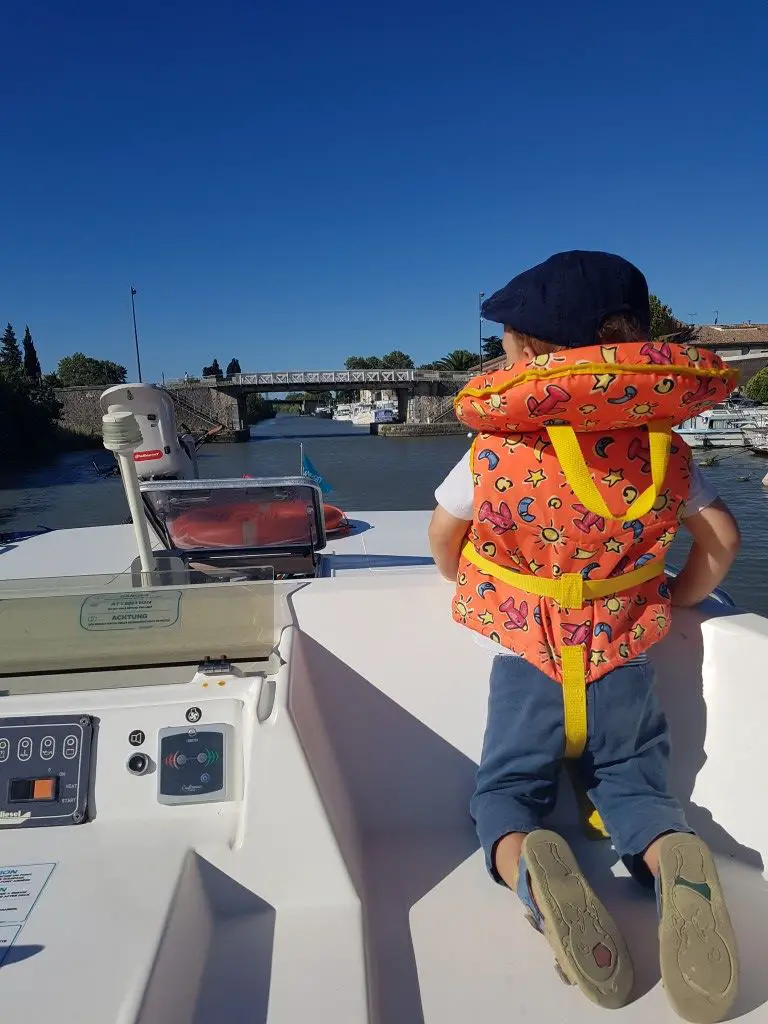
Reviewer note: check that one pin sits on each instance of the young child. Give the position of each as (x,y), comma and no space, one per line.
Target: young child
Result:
(554,527)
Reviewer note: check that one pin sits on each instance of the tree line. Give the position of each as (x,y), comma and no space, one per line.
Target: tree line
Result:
(28,406)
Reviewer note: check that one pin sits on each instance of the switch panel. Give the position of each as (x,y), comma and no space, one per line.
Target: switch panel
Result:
(45,766)
(195,765)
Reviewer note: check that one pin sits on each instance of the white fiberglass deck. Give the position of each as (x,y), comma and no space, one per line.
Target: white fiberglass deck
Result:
(343,883)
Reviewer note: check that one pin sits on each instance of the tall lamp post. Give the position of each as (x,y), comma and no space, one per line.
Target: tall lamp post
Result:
(480,297)
(135,332)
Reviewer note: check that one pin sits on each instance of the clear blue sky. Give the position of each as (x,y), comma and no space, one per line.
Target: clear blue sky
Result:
(295,181)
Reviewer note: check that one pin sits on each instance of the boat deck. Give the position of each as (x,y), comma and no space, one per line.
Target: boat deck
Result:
(343,881)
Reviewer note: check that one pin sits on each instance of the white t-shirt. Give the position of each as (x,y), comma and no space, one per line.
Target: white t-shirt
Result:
(456,492)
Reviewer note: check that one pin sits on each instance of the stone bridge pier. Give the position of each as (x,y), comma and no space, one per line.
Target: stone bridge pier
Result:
(429,402)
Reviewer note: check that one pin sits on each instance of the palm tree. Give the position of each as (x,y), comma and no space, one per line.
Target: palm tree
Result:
(460,360)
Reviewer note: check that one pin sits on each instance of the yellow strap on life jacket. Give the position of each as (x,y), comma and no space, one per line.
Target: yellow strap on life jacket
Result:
(570,591)
(579,479)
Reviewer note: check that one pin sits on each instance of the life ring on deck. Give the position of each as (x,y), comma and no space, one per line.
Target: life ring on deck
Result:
(248,524)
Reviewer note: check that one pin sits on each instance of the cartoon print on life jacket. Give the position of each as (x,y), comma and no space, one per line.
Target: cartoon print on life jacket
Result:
(490,457)
(630,392)
(522,510)
(613,477)
(575,633)
(615,605)
(643,410)
(658,355)
(587,520)
(603,382)
(551,537)
(636,527)
(554,403)
(535,533)
(512,441)
(535,477)
(517,618)
(541,445)
(582,554)
(502,521)
(704,390)
(602,444)
(664,500)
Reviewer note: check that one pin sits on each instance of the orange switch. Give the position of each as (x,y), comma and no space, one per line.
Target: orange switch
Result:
(44,789)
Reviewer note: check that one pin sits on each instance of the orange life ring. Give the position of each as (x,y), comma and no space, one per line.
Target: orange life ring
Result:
(249,524)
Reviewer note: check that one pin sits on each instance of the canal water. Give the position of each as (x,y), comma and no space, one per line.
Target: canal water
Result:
(365,472)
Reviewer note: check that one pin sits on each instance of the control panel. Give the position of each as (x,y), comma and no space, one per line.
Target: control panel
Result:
(45,768)
(195,765)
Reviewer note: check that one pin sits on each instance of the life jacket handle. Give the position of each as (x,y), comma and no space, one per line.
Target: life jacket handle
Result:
(571,458)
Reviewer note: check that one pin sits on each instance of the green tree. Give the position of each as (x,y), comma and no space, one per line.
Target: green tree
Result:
(492,347)
(31,362)
(79,370)
(460,360)
(363,363)
(258,408)
(396,360)
(233,366)
(214,370)
(664,323)
(756,387)
(10,353)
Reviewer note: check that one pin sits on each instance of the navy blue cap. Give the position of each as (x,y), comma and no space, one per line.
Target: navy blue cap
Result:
(565,299)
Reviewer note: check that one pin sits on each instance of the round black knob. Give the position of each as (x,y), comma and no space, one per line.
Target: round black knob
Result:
(138,764)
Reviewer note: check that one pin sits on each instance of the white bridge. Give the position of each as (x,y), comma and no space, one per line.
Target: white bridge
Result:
(285,380)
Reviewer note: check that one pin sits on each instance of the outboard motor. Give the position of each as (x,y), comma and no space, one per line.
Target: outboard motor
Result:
(163,455)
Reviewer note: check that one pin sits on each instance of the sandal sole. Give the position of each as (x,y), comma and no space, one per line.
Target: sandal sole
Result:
(697,945)
(589,948)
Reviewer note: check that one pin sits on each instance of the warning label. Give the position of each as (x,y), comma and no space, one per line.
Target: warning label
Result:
(130,611)
(20,889)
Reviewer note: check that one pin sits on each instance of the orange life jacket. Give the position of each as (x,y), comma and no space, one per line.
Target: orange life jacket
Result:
(579,486)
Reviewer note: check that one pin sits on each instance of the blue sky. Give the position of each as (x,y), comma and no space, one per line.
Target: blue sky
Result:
(293,182)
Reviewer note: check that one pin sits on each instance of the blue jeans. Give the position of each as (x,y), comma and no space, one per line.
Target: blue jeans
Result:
(623,767)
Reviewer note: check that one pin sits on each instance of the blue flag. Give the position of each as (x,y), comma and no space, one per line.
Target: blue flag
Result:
(308,470)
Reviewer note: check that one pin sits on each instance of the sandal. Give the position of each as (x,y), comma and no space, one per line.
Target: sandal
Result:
(697,946)
(589,949)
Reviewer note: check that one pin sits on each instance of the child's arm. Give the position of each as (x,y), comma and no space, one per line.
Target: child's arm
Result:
(446,537)
(716,542)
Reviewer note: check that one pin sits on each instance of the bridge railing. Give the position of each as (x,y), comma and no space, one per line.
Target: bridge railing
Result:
(329,377)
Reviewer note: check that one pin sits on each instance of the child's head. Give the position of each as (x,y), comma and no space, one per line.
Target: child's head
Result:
(572,300)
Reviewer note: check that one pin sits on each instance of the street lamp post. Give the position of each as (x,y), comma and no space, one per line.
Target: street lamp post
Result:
(480,297)
(135,332)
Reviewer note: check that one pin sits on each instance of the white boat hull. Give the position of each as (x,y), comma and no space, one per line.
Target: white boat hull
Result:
(713,438)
